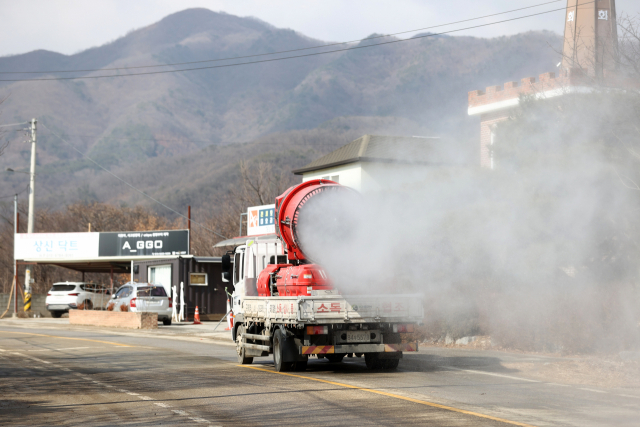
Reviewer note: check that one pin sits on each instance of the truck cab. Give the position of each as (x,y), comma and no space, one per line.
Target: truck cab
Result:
(243,265)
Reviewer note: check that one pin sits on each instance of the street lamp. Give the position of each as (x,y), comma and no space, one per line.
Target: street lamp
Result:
(15,171)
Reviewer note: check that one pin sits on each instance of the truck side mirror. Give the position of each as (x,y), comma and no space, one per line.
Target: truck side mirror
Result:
(225,276)
(226,263)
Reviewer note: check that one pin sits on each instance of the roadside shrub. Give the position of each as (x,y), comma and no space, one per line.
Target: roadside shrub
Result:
(124,307)
(110,306)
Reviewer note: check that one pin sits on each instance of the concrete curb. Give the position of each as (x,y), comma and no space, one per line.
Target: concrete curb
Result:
(114,319)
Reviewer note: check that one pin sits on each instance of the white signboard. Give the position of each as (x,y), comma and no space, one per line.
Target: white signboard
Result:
(57,245)
(261,220)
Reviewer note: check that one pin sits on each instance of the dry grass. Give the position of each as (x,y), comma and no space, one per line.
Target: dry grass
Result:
(124,307)
(111,306)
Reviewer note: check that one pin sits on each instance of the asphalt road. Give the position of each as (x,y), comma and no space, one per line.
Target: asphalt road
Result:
(88,377)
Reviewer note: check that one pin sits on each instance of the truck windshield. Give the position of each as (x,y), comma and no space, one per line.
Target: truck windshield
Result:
(152,291)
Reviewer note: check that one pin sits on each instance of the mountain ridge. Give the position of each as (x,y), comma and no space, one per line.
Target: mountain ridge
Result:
(127,122)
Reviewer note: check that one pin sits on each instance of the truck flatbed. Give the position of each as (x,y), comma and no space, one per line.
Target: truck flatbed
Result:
(334,309)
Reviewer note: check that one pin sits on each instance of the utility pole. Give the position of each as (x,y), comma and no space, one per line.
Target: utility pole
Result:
(32,204)
(15,263)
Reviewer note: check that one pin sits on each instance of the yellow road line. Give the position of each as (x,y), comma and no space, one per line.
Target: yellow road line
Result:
(68,338)
(397,396)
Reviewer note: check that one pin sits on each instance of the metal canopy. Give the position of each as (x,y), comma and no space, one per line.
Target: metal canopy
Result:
(100,264)
(91,267)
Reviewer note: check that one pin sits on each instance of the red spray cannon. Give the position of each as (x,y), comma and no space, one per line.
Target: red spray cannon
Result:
(300,276)
(291,205)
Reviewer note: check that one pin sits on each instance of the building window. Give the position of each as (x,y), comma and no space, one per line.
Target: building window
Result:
(198,279)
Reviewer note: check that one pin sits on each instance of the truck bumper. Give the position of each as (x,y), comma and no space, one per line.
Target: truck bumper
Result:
(358,348)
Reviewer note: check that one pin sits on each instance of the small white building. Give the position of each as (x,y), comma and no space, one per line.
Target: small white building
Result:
(377,162)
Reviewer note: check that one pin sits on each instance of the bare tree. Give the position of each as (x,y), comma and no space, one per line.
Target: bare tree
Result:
(262,182)
(629,44)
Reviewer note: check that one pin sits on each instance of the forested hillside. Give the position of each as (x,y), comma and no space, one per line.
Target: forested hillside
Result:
(181,136)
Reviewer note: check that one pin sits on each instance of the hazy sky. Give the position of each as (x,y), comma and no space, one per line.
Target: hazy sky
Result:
(68,26)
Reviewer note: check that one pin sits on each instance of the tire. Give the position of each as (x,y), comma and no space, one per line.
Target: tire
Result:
(242,358)
(56,314)
(300,366)
(281,366)
(372,361)
(390,363)
(335,358)
(88,305)
(166,321)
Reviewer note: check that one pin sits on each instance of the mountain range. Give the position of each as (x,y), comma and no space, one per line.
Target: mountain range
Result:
(180,135)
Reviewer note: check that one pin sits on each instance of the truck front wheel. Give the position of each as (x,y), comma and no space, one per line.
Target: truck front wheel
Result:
(278,339)
(242,358)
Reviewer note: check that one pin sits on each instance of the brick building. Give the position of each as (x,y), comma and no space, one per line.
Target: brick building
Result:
(588,58)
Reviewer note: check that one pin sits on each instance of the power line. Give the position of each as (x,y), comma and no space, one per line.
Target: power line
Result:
(13,124)
(282,51)
(213,143)
(15,194)
(143,139)
(288,57)
(130,185)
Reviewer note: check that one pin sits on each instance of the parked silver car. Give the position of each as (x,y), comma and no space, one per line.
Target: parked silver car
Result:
(64,296)
(143,297)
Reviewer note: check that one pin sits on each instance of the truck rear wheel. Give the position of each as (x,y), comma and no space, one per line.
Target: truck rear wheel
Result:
(373,361)
(390,363)
(335,358)
(300,366)
(242,358)
(281,366)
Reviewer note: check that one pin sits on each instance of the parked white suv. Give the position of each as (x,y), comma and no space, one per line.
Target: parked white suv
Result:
(143,297)
(64,296)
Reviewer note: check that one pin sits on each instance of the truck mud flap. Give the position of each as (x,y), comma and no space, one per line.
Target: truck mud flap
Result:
(359,348)
(290,350)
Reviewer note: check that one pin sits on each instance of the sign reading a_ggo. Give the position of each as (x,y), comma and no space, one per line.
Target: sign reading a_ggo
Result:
(148,244)
(145,243)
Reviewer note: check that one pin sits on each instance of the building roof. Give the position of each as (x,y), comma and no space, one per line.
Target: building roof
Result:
(381,148)
(242,240)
